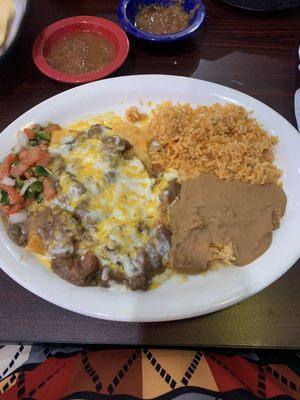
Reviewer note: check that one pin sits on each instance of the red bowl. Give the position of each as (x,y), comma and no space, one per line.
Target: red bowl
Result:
(59,29)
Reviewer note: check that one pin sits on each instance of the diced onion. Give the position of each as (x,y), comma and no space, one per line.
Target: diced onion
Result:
(17,148)
(8,181)
(22,138)
(18,218)
(26,185)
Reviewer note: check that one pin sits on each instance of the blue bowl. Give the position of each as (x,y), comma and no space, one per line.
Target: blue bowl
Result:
(127,10)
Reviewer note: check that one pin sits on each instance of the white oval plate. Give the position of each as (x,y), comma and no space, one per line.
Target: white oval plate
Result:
(175,299)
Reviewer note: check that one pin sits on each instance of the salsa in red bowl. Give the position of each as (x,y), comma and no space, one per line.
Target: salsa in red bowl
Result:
(80,49)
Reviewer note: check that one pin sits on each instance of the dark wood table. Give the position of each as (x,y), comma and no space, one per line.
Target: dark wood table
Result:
(254,53)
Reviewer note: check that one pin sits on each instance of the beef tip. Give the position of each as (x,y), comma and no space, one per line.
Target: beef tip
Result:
(115,144)
(129,153)
(42,222)
(162,235)
(86,219)
(77,187)
(110,177)
(137,282)
(171,193)
(157,169)
(81,214)
(88,223)
(159,244)
(142,227)
(81,271)
(145,262)
(18,233)
(96,130)
(113,158)
(150,258)
(58,229)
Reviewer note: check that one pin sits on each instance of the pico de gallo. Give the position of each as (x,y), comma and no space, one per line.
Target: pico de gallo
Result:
(24,176)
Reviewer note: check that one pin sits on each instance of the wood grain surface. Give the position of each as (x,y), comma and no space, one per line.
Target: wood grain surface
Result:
(251,52)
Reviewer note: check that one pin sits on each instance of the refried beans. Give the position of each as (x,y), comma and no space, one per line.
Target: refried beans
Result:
(212,211)
(80,52)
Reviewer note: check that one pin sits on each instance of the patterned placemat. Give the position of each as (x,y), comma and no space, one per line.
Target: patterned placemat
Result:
(53,373)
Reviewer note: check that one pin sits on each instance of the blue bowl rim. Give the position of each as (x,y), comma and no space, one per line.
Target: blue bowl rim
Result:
(130,28)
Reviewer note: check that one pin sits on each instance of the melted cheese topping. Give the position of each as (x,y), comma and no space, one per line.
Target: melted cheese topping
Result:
(114,199)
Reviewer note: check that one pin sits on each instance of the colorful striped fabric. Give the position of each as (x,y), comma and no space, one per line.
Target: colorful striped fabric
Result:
(53,373)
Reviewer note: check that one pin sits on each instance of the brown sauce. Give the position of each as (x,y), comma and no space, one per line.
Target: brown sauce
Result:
(211,211)
(81,52)
(162,20)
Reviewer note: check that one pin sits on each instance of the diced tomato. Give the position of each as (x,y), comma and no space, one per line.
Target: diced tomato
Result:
(157,169)
(28,202)
(7,163)
(17,202)
(21,151)
(19,169)
(52,127)
(13,194)
(44,159)
(49,188)
(30,156)
(33,156)
(13,209)
(30,133)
